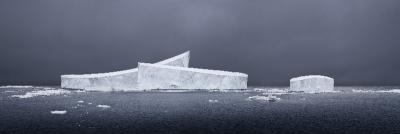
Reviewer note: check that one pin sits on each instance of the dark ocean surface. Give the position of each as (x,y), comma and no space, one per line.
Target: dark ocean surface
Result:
(350,110)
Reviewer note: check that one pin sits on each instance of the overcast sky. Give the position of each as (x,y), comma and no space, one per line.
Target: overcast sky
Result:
(357,42)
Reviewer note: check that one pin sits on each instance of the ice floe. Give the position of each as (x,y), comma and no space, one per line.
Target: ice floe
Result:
(376,91)
(42,93)
(58,112)
(275,92)
(16,86)
(269,98)
(103,106)
(213,101)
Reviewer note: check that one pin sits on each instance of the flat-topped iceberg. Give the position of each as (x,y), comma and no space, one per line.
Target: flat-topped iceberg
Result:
(156,76)
(125,80)
(312,84)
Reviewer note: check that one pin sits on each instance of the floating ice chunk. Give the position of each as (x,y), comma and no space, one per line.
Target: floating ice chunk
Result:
(58,112)
(125,80)
(80,91)
(153,76)
(275,92)
(376,91)
(42,93)
(270,98)
(103,106)
(312,84)
(16,86)
(213,101)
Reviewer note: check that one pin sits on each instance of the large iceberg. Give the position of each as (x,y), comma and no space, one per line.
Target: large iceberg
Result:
(156,76)
(312,84)
(125,80)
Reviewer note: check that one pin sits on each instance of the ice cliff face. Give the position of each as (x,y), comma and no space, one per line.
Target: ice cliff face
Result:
(156,76)
(312,84)
(125,80)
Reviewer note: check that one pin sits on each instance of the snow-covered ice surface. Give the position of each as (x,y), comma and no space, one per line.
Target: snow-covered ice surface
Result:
(125,80)
(312,84)
(58,112)
(152,76)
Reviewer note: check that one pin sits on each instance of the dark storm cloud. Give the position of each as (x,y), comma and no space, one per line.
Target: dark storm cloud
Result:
(354,41)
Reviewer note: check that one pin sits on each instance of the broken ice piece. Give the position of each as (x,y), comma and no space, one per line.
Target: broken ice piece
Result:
(213,101)
(103,106)
(58,112)
(269,98)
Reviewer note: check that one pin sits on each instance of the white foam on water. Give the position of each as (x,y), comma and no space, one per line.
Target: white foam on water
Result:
(42,93)
(103,106)
(58,112)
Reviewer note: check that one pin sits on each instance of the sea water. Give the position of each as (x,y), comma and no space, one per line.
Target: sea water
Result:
(352,109)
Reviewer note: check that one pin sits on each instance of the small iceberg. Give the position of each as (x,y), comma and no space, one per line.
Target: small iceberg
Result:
(312,84)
